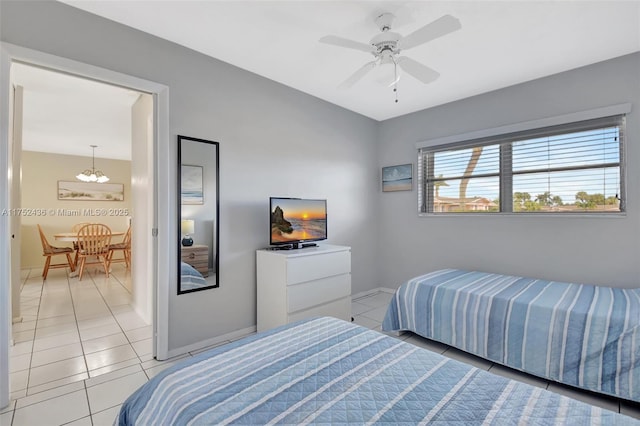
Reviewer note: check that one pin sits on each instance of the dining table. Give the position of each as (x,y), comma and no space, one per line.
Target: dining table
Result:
(71,237)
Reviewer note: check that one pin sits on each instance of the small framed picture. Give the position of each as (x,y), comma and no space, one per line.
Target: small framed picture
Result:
(397,178)
(192,184)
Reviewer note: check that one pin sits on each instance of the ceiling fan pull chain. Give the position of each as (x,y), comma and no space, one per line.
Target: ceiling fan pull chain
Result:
(395,79)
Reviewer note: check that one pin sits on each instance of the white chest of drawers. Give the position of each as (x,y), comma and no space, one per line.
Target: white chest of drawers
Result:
(297,284)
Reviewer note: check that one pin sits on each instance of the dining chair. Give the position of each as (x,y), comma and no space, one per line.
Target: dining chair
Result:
(93,241)
(49,251)
(125,246)
(75,229)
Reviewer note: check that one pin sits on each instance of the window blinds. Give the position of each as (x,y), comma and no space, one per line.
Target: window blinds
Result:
(571,167)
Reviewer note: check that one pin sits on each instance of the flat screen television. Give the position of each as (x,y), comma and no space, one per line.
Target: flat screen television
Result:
(296,222)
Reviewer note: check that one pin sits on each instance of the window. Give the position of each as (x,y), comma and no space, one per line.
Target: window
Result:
(568,168)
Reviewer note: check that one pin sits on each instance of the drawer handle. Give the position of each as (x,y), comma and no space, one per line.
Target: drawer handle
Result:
(192,255)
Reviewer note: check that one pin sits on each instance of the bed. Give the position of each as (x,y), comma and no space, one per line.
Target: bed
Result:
(329,371)
(581,335)
(191,278)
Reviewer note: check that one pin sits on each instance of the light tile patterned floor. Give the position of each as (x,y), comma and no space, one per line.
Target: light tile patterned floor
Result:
(81,350)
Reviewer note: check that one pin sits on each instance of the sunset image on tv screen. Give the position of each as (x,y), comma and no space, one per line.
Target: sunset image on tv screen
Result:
(298,220)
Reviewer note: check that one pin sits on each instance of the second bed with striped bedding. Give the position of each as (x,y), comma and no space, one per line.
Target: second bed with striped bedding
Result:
(582,335)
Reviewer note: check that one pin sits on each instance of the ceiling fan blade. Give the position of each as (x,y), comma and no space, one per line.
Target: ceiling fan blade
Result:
(417,70)
(356,76)
(343,42)
(441,26)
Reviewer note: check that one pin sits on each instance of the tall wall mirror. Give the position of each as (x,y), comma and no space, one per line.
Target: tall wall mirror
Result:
(198,214)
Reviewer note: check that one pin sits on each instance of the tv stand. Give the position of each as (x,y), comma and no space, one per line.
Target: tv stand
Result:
(293,246)
(297,284)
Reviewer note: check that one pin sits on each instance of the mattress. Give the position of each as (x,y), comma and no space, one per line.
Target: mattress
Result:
(582,335)
(328,371)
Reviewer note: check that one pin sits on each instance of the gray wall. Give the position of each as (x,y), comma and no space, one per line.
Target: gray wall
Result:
(274,141)
(594,250)
(277,141)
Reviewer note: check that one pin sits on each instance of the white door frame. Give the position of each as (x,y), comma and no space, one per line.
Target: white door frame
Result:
(165,201)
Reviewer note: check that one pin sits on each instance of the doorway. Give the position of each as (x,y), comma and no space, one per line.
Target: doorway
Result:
(151,175)
(64,127)
(100,321)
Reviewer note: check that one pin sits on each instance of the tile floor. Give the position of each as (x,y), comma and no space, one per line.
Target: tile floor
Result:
(369,311)
(81,350)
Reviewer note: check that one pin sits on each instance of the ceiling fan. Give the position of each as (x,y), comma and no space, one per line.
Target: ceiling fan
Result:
(387,45)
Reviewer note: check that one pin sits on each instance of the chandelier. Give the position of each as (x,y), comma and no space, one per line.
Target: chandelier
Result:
(93,175)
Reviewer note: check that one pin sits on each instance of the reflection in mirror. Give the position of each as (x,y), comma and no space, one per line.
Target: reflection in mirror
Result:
(198,211)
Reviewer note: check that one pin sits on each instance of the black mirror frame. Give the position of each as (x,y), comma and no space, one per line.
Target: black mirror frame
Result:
(216,243)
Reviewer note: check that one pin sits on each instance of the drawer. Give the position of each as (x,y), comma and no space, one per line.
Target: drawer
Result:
(308,268)
(198,257)
(317,292)
(194,257)
(340,308)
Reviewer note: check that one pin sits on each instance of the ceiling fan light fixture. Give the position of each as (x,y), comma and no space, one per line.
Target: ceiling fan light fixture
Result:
(386,74)
(387,45)
(92,175)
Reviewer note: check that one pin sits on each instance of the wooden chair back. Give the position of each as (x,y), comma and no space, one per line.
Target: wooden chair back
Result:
(49,251)
(94,239)
(125,246)
(75,228)
(127,238)
(46,247)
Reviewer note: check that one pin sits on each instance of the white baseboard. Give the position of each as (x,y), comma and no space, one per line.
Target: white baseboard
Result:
(372,292)
(246,331)
(234,335)
(14,320)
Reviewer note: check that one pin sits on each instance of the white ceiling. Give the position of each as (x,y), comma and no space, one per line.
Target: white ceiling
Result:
(501,43)
(65,114)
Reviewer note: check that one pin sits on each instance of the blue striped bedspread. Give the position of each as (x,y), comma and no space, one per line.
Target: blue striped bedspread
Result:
(328,371)
(582,335)
(190,278)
